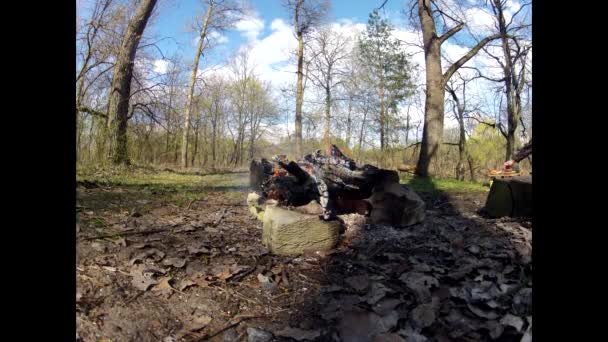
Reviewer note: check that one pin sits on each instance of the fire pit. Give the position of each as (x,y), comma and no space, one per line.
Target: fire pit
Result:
(299,201)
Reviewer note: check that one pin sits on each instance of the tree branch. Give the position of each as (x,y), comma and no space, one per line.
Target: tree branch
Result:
(452,69)
(91,111)
(450,33)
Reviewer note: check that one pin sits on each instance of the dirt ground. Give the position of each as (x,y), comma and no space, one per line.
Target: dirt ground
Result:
(153,266)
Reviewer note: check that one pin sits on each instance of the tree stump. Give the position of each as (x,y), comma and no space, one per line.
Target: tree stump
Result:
(510,197)
(288,232)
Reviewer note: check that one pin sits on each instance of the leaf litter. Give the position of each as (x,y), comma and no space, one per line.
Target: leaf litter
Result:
(450,278)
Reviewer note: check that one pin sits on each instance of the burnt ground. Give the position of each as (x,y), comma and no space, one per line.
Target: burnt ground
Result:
(186,263)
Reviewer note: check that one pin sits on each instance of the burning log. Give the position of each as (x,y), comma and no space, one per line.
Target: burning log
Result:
(333,180)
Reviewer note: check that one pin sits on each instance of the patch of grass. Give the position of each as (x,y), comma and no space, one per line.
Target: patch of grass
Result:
(136,189)
(437,185)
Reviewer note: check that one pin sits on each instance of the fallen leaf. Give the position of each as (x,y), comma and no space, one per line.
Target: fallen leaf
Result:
(358,282)
(495,329)
(198,323)
(121,242)
(487,314)
(258,335)
(423,315)
(362,326)
(299,334)
(385,305)
(412,336)
(185,283)
(420,284)
(389,338)
(175,262)
(230,271)
(141,281)
(164,287)
(158,255)
(377,291)
(200,281)
(198,250)
(153,269)
(513,321)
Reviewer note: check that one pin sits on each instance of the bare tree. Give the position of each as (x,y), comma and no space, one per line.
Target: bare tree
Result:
(327,69)
(430,11)
(306,14)
(220,15)
(120,90)
(515,51)
(461,107)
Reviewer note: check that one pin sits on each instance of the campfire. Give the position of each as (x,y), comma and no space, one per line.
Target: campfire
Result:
(320,187)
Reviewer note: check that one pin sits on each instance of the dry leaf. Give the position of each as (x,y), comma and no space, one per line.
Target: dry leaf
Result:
(482,313)
(299,334)
(121,242)
(185,283)
(163,286)
(514,321)
(175,262)
(198,323)
(142,281)
(197,250)
(359,282)
(158,255)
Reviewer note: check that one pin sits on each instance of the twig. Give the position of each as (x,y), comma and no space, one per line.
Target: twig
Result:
(134,297)
(229,325)
(192,202)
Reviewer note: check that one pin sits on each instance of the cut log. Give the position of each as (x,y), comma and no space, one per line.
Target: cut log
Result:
(287,232)
(510,197)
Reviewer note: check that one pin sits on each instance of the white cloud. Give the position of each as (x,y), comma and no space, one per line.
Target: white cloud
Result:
(250,27)
(218,37)
(161,66)
(479,20)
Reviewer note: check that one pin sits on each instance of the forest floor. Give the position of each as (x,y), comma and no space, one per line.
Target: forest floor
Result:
(166,257)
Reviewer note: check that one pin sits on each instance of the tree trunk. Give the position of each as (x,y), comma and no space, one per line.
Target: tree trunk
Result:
(382,109)
(461,147)
(118,103)
(213,140)
(199,51)
(361,133)
(432,131)
(299,88)
(513,102)
(195,146)
(326,137)
(471,168)
(349,123)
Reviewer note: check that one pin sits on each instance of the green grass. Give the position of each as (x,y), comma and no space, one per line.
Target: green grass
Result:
(136,189)
(437,185)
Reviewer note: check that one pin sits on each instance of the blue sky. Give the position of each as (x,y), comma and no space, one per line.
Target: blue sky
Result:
(175,15)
